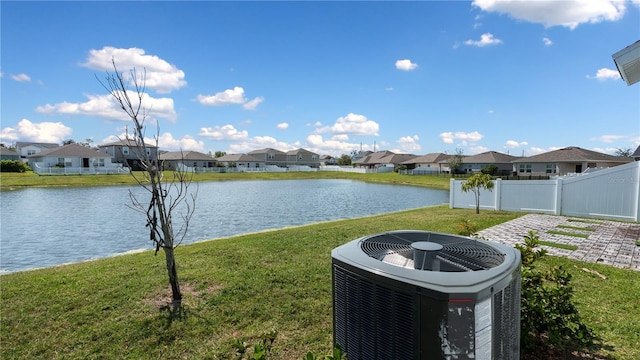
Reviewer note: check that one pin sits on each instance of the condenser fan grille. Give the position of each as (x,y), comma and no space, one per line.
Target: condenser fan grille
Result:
(431,251)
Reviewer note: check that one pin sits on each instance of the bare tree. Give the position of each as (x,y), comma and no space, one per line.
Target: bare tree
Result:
(624,152)
(167,195)
(455,161)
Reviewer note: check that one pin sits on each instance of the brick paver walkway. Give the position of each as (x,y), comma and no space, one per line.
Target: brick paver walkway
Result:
(610,242)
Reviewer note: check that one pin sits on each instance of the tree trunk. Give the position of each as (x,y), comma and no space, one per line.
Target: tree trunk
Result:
(172,270)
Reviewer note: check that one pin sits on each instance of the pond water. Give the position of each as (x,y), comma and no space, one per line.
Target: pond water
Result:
(42,227)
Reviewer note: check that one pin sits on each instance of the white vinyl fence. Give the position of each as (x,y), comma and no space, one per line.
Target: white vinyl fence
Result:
(611,193)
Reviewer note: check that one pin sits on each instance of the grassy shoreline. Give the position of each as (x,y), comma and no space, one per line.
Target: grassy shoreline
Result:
(14,181)
(244,286)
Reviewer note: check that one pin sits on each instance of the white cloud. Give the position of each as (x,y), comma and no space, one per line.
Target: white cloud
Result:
(224,133)
(261,142)
(352,124)
(253,104)
(105,106)
(546,41)
(477,150)
(25,130)
(391,88)
(21,77)
(486,39)
(233,96)
(510,144)
(550,13)
(282,126)
(166,141)
(605,74)
(449,137)
(609,138)
(336,145)
(406,65)
(160,75)
(408,145)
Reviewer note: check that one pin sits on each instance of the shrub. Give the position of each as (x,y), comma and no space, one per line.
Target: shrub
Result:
(548,315)
(490,169)
(13,166)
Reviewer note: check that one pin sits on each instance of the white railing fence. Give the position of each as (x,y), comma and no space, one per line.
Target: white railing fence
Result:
(611,193)
(49,170)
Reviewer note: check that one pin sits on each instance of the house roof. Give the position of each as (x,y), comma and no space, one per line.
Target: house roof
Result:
(428,159)
(396,158)
(572,154)
(185,155)
(8,152)
(300,151)
(238,158)
(21,144)
(374,158)
(489,157)
(127,142)
(71,150)
(265,151)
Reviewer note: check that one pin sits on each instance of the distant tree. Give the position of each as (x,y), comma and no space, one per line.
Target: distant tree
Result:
(219,153)
(491,169)
(624,152)
(167,195)
(475,183)
(344,160)
(87,142)
(67,142)
(455,161)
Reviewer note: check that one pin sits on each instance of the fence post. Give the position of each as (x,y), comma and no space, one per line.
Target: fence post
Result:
(497,203)
(558,205)
(452,191)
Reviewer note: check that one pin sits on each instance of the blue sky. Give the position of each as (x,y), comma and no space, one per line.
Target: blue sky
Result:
(519,77)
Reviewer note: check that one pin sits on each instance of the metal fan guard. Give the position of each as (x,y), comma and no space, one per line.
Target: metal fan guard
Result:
(432,252)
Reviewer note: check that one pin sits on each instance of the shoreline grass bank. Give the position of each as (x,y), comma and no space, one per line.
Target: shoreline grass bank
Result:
(242,287)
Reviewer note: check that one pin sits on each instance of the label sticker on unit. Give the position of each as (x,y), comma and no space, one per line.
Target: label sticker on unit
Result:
(483,329)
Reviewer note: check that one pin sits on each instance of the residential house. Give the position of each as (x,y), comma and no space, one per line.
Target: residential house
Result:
(636,154)
(475,163)
(128,153)
(302,157)
(433,163)
(70,156)
(270,156)
(193,159)
(327,160)
(25,149)
(241,161)
(359,155)
(383,159)
(372,160)
(566,161)
(7,154)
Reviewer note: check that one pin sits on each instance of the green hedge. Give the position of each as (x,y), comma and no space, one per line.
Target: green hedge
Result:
(13,166)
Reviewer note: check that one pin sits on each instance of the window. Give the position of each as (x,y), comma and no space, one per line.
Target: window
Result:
(125,150)
(148,152)
(551,169)
(299,157)
(525,168)
(98,162)
(271,156)
(314,157)
(31,152)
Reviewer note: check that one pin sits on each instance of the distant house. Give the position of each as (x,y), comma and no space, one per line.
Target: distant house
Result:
(241,161)
(6,154)
(475,163)
(302,157)
(128,153)
(270,156)
(372,159)
(25,149)
(191,159)
(636,154)
(434,163)
(327,160)
(69,156)
(566,161)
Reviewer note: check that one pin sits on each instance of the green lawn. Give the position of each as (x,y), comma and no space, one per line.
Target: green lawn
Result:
(243,287)
(15,180)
